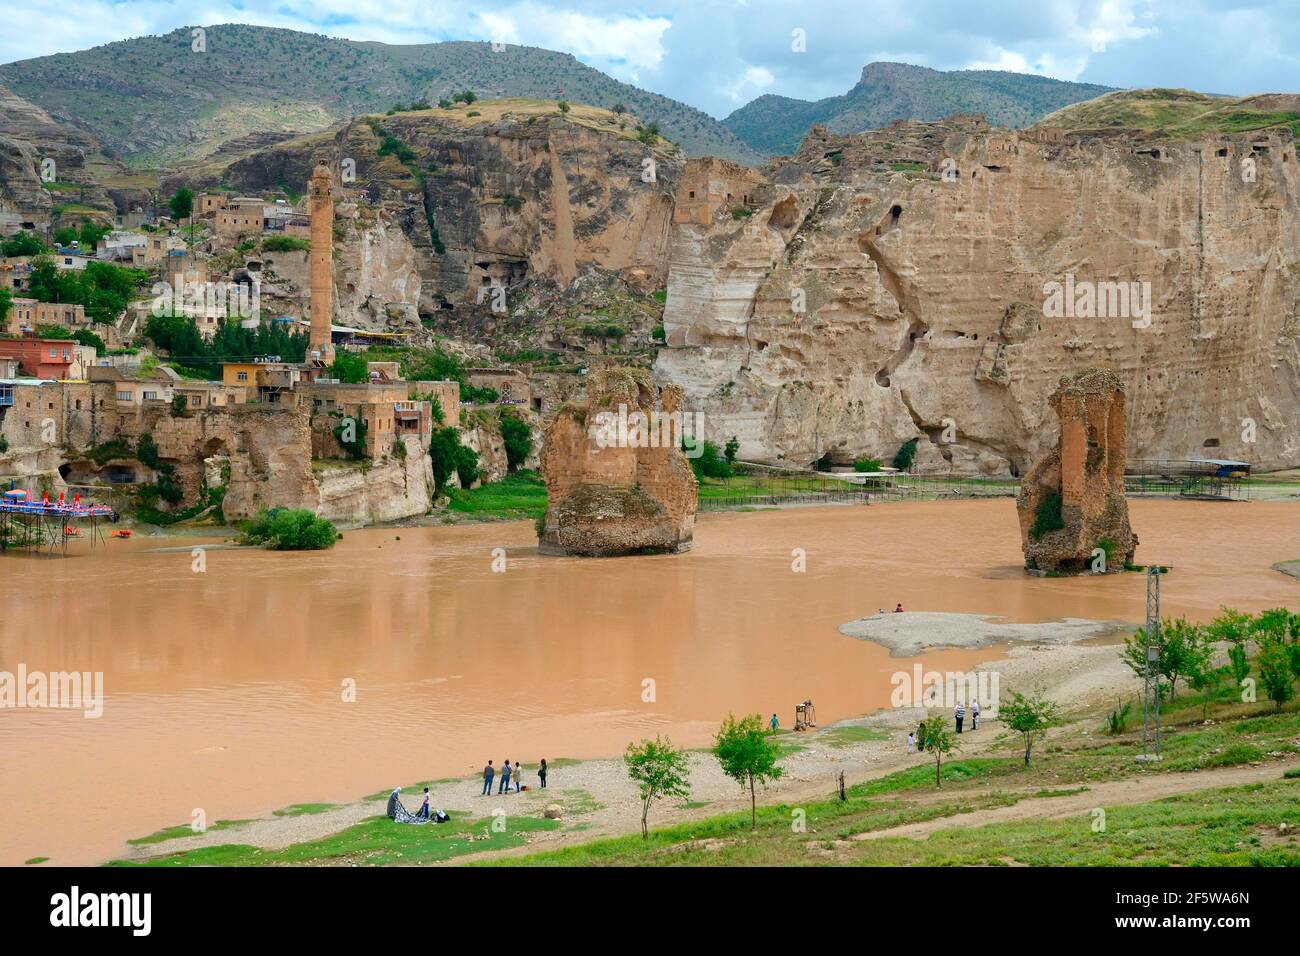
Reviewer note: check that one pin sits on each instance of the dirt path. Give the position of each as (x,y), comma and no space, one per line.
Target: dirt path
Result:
(1142,789)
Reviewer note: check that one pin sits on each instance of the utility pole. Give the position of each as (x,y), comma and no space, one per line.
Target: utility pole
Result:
(1151,672)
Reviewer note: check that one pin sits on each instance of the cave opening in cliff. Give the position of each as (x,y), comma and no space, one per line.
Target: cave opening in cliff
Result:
(895,213)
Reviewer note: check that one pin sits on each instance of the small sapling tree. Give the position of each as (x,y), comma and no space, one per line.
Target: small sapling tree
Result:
(748,755)
(660,770)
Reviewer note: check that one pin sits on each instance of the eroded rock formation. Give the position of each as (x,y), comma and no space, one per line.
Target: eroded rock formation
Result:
(613,491)
(1071,502)
(891,285)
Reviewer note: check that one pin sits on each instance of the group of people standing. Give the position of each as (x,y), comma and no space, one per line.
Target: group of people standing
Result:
(916,739)
(511,774)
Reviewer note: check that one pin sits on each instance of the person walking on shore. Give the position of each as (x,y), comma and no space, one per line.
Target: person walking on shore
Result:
(775,723)
(541,774)
(959,712)
(505,778)
(488,773)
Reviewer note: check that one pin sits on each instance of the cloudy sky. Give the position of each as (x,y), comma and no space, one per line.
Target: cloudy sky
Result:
(719,54)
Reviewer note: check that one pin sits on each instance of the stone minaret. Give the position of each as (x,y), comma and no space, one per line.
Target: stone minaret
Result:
(322,262)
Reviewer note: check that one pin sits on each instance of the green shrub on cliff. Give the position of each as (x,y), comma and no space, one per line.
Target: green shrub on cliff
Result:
(289,529)
(906,455)
(1048,516)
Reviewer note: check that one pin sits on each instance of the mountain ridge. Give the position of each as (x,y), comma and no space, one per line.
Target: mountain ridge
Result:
(885,92)
(155,100)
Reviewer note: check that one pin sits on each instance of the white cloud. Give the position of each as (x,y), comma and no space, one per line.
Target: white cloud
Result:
(750,84)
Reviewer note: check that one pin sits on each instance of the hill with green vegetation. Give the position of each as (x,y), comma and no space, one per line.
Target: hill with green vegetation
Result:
(890,91)
(1179,113)
(155,101)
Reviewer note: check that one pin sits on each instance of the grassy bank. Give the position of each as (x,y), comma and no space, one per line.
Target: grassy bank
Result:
(1225,827)
(1211,826)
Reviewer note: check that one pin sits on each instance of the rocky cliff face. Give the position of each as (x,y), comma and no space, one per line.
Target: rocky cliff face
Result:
(450,208)
(897,285)
(31,140)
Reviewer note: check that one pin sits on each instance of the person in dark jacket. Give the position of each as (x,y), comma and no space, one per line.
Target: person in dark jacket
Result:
(505,778)
(541,774)
(488,773)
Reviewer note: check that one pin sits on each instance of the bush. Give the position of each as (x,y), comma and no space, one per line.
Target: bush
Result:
(906,455)
(286,529)
(867,463)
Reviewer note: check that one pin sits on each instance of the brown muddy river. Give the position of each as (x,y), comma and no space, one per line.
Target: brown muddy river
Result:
(224,689)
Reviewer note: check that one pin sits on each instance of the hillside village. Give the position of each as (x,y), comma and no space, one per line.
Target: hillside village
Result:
(90,401)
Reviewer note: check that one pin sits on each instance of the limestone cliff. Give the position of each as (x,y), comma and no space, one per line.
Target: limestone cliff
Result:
(453,205)
(896,285)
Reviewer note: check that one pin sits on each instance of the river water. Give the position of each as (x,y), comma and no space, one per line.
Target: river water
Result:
(228,690)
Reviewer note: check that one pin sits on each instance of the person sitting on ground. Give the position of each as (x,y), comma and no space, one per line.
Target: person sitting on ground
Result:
(899,609)
(398,813)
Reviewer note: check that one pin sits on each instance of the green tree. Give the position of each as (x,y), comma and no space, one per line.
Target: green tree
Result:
(1183,650)
(730,450)
(23,244)
(442,454)
(660,770)
(87,337)
(181,204)
(466,466)
(349,368)
(6,301)
(563,105)
(906,455)
(939,740)
(1207,680)
(748,755)
(518,439)
(1029,716)
(708,463)
(1238,663)
(146,451)
(1275,672)
(350,433)
(284,529)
